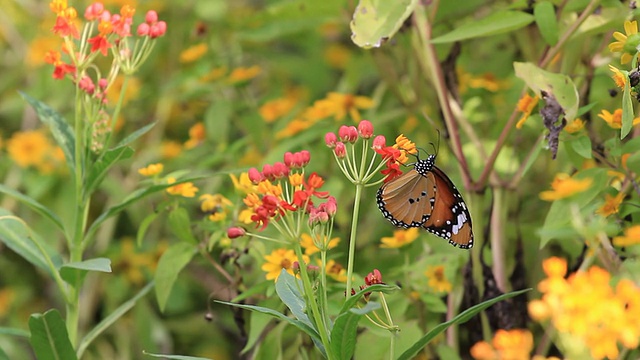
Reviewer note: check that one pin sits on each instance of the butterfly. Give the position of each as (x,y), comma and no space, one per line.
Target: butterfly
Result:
(425,197)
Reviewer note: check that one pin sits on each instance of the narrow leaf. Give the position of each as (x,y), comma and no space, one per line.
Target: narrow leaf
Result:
(344,331)
(49,337)
(180,225)
(99,169)
(60,129)
(14,332)
(545,16)
(287,288)
(170,264)
(34,205)
(144,226)
(459,319)
(113,316)
(72,271)
(376,21)
(176,357)
(135,135)
(627,111)
(497,23)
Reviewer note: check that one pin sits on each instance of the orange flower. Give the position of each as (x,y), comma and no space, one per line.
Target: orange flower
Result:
(243,74)
(615,120)
(574,126)
(565,186)
(193,53)
(197,135)
(631,237)
(525,105)
(151,169)
(186,189)
(611,204)
(618,77)
(437,280)
(400,238)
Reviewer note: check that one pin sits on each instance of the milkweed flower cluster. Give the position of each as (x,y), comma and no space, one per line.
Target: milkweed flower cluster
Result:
(586,309)
(513,344)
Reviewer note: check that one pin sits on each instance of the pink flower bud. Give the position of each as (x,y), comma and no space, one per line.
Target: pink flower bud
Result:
(235,232)
(102,83)
(340,150)
(374,277)
(87,85)
(365,129)
(158,29)
(330,139)
(151,17)
(331,206)
(306,157)
(280,170)
(94,11)
(143,29)
(267,172)
(348,133)
(379,142)
(255,176)
(288,159)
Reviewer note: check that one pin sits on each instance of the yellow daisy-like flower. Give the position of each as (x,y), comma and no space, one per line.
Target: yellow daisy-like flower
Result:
(310,247)
(437,281)
(611,205)
(618,77)
(242,74)
(215,205)
(193,53)
(336,271)
(280,259)
(526,105)
(293,127)
(615,120)
(214,74)
(274,109)
(400,238)
(186,189)
(170,149)
(339,105)
(151,169)
(626,43)
(242,183)
(513,344)
(574,126)
(197,135)
(28,148)
(565,186)
(631,237)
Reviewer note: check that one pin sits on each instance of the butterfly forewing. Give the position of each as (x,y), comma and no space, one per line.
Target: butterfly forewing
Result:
(453,221)
(408,200)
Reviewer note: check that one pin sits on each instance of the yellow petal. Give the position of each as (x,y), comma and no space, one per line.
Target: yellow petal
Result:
(631,27)
(620,36)
(625,58)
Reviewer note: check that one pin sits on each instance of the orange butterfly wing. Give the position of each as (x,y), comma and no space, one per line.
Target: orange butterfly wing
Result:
(408,200)
(450,217)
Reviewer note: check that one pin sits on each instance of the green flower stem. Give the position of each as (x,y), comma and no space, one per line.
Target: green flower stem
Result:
(323,281)
(352,236)
(321,326)
(393,329)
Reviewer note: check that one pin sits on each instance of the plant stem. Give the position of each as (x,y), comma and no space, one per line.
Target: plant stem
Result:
(352,237)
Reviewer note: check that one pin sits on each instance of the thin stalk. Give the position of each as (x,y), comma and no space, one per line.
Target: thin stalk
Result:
(497,239)
(390,326)
(321,326)
(352,237)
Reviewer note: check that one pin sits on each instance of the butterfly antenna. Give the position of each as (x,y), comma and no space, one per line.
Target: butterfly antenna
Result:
(437,146)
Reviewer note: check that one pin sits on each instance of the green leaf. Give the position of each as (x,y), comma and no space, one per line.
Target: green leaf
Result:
(180,225)
(287,288)
(297,323)
(559,85)
(73,271)
(15,233)
(173,260)
(49,337)
(60,129)
(176,357)
(497,23)
(545,16)
(133,197)
(258,323)
(459,319)
(582,146)
(627,111)
(99,169)
(3,355)
(14,332)
(344,334)
(371,306)
(113,316)
(34,205)
(144,226)
(351,303)
(134,136)
(376,21)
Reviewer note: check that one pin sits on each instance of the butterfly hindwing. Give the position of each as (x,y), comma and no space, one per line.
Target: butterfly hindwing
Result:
(450,217)
(408,200)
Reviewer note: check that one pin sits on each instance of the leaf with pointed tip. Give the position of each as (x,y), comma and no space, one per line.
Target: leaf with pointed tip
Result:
(499,22)
(99,169)
(33,204)
(135,135)
(74,271)
(376,21)
(172,261)
(49,337)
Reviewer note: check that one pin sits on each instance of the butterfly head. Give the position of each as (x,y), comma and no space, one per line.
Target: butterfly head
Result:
(423,166)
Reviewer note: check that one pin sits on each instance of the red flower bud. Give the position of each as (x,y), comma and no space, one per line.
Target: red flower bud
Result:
(306,157)
(235,232)
(151,17)
(348,133)
(379,142)
(365,129)
(267,172)
(255,176)
(374,277)
(143,29)
(280,170)
(330,139)
(340,150)
(288,159)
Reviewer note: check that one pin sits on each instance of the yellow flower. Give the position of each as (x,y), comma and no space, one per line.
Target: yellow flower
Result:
(627,43)
(274,109)
(339,105)
(437,281)
(186,189)
(485,81)
(574,126)
(309,245)
(267,188)
(151,169)
(243,184)
(618,77)
(615,120)
(526,105)
(296,179)
(293,127)
(132,263)
(631,237)
(197,135)
(215,205)
(245,216)
(170,149)
(513,344)
(336,271)
(242,74)
(482,350)
(337,55)
(28,148)
(214,74)
(611,204)
(193,53)
(400,238)
(565,186)
(280,259)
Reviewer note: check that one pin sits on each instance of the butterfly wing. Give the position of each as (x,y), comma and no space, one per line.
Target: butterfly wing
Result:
(408,200)
(450,218)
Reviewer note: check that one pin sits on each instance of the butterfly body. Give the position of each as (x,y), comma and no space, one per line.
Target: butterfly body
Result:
(426,197)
